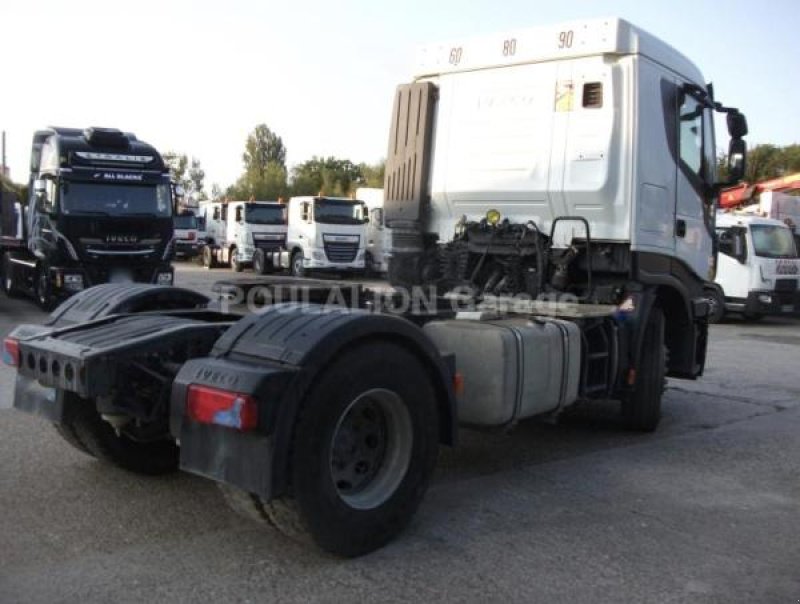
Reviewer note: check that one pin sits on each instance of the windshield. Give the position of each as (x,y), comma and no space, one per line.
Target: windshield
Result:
(339,211)
(115,199)
(264,214)
(185,222)
(772,241)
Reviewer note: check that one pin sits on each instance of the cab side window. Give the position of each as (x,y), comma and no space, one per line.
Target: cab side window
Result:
(305,211)
(691,135)
(239,213)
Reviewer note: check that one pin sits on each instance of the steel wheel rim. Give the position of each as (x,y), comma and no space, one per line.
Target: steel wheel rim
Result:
(298,264)
(370,449)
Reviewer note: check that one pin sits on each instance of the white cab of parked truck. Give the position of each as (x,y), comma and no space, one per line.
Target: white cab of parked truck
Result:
(758,269)
(186,235)
(379,241)
(241,233)
(325,234)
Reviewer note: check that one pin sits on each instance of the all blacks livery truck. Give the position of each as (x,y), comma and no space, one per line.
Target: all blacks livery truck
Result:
(554,190)
(99,210)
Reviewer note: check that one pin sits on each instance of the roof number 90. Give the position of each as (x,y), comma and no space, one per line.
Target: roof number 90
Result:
(565,39)
(455,55)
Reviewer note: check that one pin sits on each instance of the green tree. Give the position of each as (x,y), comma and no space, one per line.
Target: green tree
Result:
(178,164)
(373,174)
(331,176)
(262,148)
(767,161)
(197,177)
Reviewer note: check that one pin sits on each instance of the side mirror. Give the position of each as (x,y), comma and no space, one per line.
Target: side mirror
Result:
(38,187)
(737,160)
(737,124)
(179,191)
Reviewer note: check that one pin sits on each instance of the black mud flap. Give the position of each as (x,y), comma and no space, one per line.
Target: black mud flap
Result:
(244,459)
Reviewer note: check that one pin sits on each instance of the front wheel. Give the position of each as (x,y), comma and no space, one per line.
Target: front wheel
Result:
(9,288)
(717,311)
(297,268)
(641,409)
(209,260)
(43,288)
(236,265)
(364,449)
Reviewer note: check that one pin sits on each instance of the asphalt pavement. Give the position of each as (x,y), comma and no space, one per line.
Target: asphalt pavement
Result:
(707,509)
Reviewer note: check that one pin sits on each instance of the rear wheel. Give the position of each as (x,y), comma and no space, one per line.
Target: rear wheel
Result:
(364,449)
(84,429)
(641,410)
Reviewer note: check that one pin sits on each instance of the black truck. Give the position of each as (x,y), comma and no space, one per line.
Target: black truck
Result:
(99,210)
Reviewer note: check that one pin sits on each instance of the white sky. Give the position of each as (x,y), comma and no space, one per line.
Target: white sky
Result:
(197,77)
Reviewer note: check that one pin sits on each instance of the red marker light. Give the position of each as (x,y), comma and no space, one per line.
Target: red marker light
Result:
(11,352)
(191,236)
(222,408)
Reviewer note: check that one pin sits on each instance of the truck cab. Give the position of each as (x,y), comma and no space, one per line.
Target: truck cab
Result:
(187,235)
(376,257)
(241,233)
(758,268)
(99,211)
(325,234)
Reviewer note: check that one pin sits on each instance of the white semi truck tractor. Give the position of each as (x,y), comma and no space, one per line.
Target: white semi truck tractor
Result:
(551,189)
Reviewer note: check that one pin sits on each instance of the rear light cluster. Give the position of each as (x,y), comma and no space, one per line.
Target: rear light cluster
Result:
(11,352)
(191,236)
(222,408)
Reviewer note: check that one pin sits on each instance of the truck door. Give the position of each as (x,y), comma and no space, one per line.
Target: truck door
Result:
(694,212)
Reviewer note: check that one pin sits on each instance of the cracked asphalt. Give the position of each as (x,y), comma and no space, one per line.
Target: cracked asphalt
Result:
(707,509)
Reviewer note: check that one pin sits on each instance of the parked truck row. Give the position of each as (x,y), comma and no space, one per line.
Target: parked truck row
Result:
(311,233)
(555,188)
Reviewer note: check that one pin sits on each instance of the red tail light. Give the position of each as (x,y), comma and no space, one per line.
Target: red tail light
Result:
(11,352)
(222,408)
(191,236)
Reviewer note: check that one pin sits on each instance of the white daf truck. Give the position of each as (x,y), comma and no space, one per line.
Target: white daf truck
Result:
(325,234)
(758,270)
(379,241)
(552,188)
(241,233)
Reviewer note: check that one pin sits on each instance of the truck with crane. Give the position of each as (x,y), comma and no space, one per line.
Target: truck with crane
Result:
(99,210)
(758,270)
(551,198)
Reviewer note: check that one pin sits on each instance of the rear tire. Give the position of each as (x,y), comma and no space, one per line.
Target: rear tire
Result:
(84,429)
(641,410)
(364,449)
